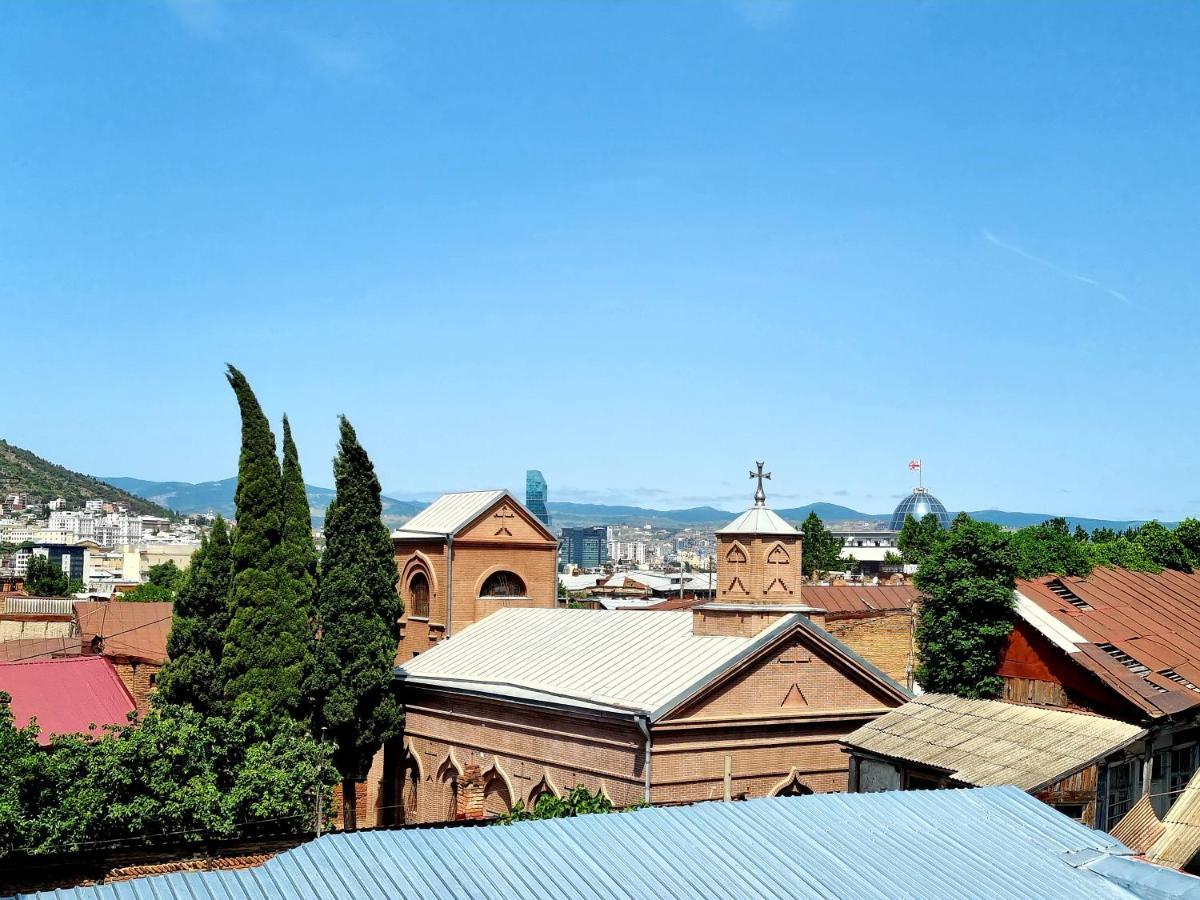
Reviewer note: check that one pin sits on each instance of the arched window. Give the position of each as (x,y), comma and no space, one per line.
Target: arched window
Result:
(418,595)
(503,584)
(496,799)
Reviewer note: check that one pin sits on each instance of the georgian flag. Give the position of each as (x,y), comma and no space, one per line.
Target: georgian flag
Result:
(914,464)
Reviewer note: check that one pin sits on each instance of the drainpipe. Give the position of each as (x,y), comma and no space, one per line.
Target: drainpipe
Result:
(644,725)
(449,583)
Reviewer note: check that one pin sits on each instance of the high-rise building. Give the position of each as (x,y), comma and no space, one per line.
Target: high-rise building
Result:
(586,547)
(535,495)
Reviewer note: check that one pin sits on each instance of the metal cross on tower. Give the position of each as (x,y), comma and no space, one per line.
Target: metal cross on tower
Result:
(760,496)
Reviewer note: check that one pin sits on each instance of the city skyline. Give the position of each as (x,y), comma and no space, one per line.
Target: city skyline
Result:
(831,236)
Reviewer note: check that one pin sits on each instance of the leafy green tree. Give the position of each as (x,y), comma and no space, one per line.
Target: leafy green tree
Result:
(299,551)
(966,609)
(176,776)
(44,579)
(21,771)
(1188,532)
(1103,535)
(1122,552)
(1080,534)
(268,651)
(1047,549)
(1163,546)
(193,673)
(147,593)
(167,575)
(820,548)
(578,802)
(917,539)
(358,610)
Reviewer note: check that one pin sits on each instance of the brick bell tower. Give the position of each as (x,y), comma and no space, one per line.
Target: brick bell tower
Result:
(758,572)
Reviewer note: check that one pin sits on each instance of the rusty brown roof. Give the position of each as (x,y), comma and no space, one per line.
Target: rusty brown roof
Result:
(859,598)
(1138,632)
(136,630)
(38,648)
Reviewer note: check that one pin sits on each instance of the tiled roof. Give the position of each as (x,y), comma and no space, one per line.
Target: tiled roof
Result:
(449,513)
(988,742)
(631,661)
(1138,632)
(987,843)
(136,630)
(38,648)
(65,695)
(758,520)
(859,598)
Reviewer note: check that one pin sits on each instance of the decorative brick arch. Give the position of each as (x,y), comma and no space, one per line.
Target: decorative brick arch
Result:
(792,786)
(419,562)
(498,793)
(412,773)
(447,790)
(778,555)
(489,572)
(545,785)
(736,554)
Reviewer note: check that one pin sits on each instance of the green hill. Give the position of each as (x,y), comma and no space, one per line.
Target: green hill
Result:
(25,472)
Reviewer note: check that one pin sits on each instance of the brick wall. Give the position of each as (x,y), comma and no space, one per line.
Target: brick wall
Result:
(139,679)
(886,640)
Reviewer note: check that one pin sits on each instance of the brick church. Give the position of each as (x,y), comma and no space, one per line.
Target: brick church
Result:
(746,696)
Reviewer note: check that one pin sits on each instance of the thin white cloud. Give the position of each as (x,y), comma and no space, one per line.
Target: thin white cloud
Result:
(764,13)
(1055,267)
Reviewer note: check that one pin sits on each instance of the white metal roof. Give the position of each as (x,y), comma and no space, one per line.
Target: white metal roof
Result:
(639,661)
(449,513)
(990,742)
(758,520)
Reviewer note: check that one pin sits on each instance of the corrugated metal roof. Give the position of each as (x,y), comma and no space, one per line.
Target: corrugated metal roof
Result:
(37,606)
(65,695)
(1180,838)
(1152,619)
(984,843)
(859,598)
(989,742)
(758,520)
(20,649)
(629,660)
(449,512)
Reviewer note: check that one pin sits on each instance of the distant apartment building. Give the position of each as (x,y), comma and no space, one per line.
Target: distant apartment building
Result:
(72,560)
(535,495)
(628,551)
(586,547)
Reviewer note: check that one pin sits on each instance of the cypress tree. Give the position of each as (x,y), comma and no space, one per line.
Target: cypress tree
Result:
(299,551)
(268,643)
(358,609)
(201,615)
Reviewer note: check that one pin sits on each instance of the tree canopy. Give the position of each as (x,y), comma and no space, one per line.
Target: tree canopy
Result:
(268,651)
(916,538)
(44,579)
(966,611)
(820,548)
(201,614)
(358,610)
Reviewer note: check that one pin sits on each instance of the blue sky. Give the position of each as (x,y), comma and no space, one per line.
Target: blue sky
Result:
(636,245)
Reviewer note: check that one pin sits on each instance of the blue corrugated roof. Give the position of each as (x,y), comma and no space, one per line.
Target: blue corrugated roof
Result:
(980,843)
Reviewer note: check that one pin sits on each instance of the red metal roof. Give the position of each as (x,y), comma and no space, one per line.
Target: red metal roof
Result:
(1153,620)
(859,598)
(126,629)
(66,695)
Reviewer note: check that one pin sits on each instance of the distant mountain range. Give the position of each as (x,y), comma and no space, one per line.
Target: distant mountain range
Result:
(217,496)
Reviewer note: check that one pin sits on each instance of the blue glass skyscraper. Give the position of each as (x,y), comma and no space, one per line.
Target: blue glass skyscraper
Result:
(535,495)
